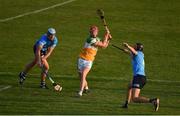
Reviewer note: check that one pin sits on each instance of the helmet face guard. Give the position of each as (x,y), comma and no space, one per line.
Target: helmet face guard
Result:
(139,47)
(51,31)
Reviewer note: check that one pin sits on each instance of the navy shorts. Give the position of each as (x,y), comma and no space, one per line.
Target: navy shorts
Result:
(139,81)
(42,52)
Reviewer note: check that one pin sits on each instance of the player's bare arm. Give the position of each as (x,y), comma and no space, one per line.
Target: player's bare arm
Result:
(105,42)
(127,51)
(50,50)
(38,55)
(132,50)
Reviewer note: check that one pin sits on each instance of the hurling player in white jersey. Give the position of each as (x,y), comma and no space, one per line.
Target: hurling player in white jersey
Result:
(88,54)
(42,51)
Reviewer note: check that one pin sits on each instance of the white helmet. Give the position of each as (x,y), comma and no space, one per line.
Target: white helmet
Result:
(51,31)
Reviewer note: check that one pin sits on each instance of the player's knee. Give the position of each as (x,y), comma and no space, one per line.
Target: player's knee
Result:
(134,99)
(46,66)
(83,78)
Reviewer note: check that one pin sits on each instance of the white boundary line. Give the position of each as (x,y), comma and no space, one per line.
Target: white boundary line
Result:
(4,88)
(36,11)
(119,78)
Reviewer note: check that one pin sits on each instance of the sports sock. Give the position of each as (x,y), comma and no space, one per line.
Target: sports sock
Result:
(126,103)
(86,88)
(152,99)
(80,92)
(43,83)
(23,74)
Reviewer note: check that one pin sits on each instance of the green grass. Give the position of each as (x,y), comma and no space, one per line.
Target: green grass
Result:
(155,23)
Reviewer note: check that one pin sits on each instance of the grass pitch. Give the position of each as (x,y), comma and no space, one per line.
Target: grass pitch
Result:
(155,23)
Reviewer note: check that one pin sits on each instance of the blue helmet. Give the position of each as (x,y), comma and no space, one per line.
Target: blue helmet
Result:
(51,31)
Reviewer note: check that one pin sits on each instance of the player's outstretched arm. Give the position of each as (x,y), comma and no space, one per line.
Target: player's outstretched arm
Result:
(126,51)
(132,50)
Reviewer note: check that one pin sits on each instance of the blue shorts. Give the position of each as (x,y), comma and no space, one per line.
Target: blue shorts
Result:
(42,52)
(139,81)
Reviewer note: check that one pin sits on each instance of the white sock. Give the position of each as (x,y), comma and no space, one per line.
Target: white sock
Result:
(86,88)
(80,92)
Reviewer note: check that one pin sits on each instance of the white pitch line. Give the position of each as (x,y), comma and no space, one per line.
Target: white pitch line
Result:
(36,11)
(73,76)
(4,88)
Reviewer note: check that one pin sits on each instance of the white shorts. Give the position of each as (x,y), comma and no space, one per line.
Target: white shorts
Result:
(84,64)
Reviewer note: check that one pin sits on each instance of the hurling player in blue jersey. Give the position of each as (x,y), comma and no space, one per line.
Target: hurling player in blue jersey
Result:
(42,50)
(139,77)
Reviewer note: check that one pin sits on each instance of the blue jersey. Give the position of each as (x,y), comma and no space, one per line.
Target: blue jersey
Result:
(46,43)
(138,64)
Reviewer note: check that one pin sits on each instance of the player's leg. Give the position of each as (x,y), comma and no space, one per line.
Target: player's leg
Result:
(86,88)
(88,65)
(83,69)
(137,85)
(28,67)
(137,98)
(140,99)
(129,94)
(43,75)
(83,82)
(80,66)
